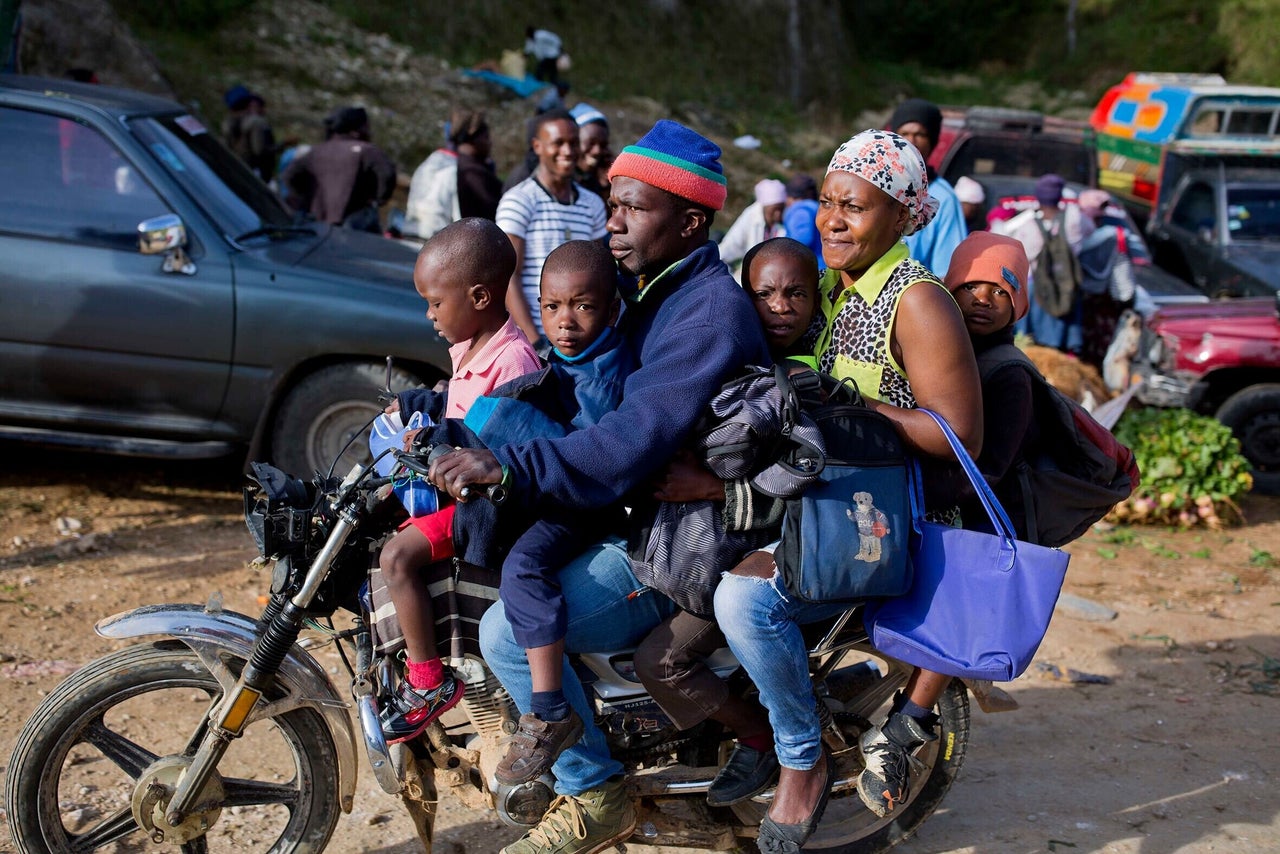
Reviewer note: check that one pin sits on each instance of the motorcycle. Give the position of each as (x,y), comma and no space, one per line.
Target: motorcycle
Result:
(271,757)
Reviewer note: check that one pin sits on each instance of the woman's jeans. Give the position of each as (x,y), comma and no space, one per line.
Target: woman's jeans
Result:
(762,622)
(607,609)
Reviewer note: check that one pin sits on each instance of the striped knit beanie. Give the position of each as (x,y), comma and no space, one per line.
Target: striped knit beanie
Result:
(674,158)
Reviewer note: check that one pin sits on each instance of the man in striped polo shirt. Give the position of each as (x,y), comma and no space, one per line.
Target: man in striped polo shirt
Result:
(543,211)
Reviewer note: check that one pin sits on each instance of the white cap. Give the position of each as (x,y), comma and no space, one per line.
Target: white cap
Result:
(969,190)
(771,191)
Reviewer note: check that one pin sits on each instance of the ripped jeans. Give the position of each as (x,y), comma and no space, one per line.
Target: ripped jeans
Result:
(761,622)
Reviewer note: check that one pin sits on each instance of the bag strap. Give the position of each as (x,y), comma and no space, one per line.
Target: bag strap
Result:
(790,399)
(915,486)
(999,519)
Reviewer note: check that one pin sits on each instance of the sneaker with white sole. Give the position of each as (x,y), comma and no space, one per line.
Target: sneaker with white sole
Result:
(888,753)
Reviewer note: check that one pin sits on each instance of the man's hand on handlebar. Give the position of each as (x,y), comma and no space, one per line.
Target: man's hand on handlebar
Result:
(464,468)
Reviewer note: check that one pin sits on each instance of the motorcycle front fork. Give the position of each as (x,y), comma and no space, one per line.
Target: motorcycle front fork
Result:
(228,719)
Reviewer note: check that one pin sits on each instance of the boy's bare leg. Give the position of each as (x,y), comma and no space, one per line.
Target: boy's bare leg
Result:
(402,561)
(545,663)
(428,689)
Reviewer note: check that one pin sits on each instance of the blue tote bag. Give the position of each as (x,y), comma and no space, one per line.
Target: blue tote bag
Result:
(979,603)
(845,538)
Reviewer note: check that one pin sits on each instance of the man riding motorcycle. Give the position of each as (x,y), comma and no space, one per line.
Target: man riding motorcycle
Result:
(692,327)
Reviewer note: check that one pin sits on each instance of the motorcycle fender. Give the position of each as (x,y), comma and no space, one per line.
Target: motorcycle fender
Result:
(209,633)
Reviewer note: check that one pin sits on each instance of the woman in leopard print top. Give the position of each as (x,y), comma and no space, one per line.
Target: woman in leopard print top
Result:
(894,329)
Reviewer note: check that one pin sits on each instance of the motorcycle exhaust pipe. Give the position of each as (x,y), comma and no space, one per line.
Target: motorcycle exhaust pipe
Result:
(678,782)
(375,744)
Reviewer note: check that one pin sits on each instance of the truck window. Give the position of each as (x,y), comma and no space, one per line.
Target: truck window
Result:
(65,180)
(1194,210)
(1251,122)
(218,180)
(1253,213)
(1208,122)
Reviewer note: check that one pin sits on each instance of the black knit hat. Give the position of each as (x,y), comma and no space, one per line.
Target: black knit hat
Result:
(918,110)
(350,119)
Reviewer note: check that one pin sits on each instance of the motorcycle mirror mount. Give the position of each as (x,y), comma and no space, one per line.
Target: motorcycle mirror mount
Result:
(386,395)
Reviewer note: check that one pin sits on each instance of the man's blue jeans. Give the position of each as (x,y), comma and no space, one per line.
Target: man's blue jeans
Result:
(608,609)
(762,622)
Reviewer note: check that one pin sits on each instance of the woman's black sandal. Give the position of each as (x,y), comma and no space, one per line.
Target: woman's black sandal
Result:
(777,838)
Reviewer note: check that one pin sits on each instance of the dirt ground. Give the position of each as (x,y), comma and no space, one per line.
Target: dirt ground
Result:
(1167,745)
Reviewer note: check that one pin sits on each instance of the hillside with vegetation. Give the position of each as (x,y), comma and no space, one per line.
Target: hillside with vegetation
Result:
(798,75)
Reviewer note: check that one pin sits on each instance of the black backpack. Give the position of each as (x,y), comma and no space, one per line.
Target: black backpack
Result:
(1057,276)
(1080,470)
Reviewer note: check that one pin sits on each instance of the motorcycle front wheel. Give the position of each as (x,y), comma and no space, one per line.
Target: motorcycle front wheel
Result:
(83,762)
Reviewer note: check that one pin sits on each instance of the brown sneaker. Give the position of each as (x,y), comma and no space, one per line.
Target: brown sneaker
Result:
(535,747)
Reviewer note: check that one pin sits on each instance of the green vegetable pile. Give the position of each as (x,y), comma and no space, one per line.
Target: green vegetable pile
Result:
(1192,469)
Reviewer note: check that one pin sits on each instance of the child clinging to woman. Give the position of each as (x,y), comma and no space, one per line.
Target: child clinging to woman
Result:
(781,277)
(462,273)
(783,285)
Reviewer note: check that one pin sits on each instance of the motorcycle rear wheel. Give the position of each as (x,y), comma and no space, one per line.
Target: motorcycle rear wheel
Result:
(847,826)
(76,766)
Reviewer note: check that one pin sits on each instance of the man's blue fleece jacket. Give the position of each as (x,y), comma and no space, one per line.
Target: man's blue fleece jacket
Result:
(692,330)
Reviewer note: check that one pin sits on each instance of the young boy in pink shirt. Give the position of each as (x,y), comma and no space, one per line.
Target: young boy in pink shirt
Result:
(462,272)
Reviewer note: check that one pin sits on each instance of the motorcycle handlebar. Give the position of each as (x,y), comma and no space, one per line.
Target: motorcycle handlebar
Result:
(494,492)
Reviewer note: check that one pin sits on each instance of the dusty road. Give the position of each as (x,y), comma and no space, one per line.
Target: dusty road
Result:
(1177,754)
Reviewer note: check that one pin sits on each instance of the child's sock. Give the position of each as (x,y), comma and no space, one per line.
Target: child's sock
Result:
(759,743)
(912,710)
(549,705)
(426,675)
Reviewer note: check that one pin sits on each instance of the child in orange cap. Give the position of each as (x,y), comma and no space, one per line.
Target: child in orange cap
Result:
(988,278)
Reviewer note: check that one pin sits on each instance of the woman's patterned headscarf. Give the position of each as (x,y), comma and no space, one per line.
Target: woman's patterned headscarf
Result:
(895,166)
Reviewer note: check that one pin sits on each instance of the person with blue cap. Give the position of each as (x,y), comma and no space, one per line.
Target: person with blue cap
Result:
(691,328)
(247,132)
(594,155)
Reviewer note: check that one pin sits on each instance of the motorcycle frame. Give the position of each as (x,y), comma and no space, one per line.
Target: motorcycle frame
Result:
(212,634)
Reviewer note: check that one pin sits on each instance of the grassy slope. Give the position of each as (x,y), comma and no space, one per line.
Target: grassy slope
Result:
(721,65)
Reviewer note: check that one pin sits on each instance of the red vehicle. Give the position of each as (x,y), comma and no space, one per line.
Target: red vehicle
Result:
(1220,358)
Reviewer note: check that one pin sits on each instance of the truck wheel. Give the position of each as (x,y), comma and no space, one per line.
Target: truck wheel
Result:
(1253,414)
(320,417)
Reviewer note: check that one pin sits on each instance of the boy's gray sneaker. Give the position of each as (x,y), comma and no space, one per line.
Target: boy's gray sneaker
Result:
(586,823)
(888,754)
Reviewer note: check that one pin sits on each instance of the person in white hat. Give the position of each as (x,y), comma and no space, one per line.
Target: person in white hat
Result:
(759,221)
(973,202)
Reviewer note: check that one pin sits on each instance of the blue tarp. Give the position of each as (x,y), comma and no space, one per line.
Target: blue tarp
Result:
(522,86)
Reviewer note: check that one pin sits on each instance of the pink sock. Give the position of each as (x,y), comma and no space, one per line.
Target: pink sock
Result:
(761,743)
(425,675)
